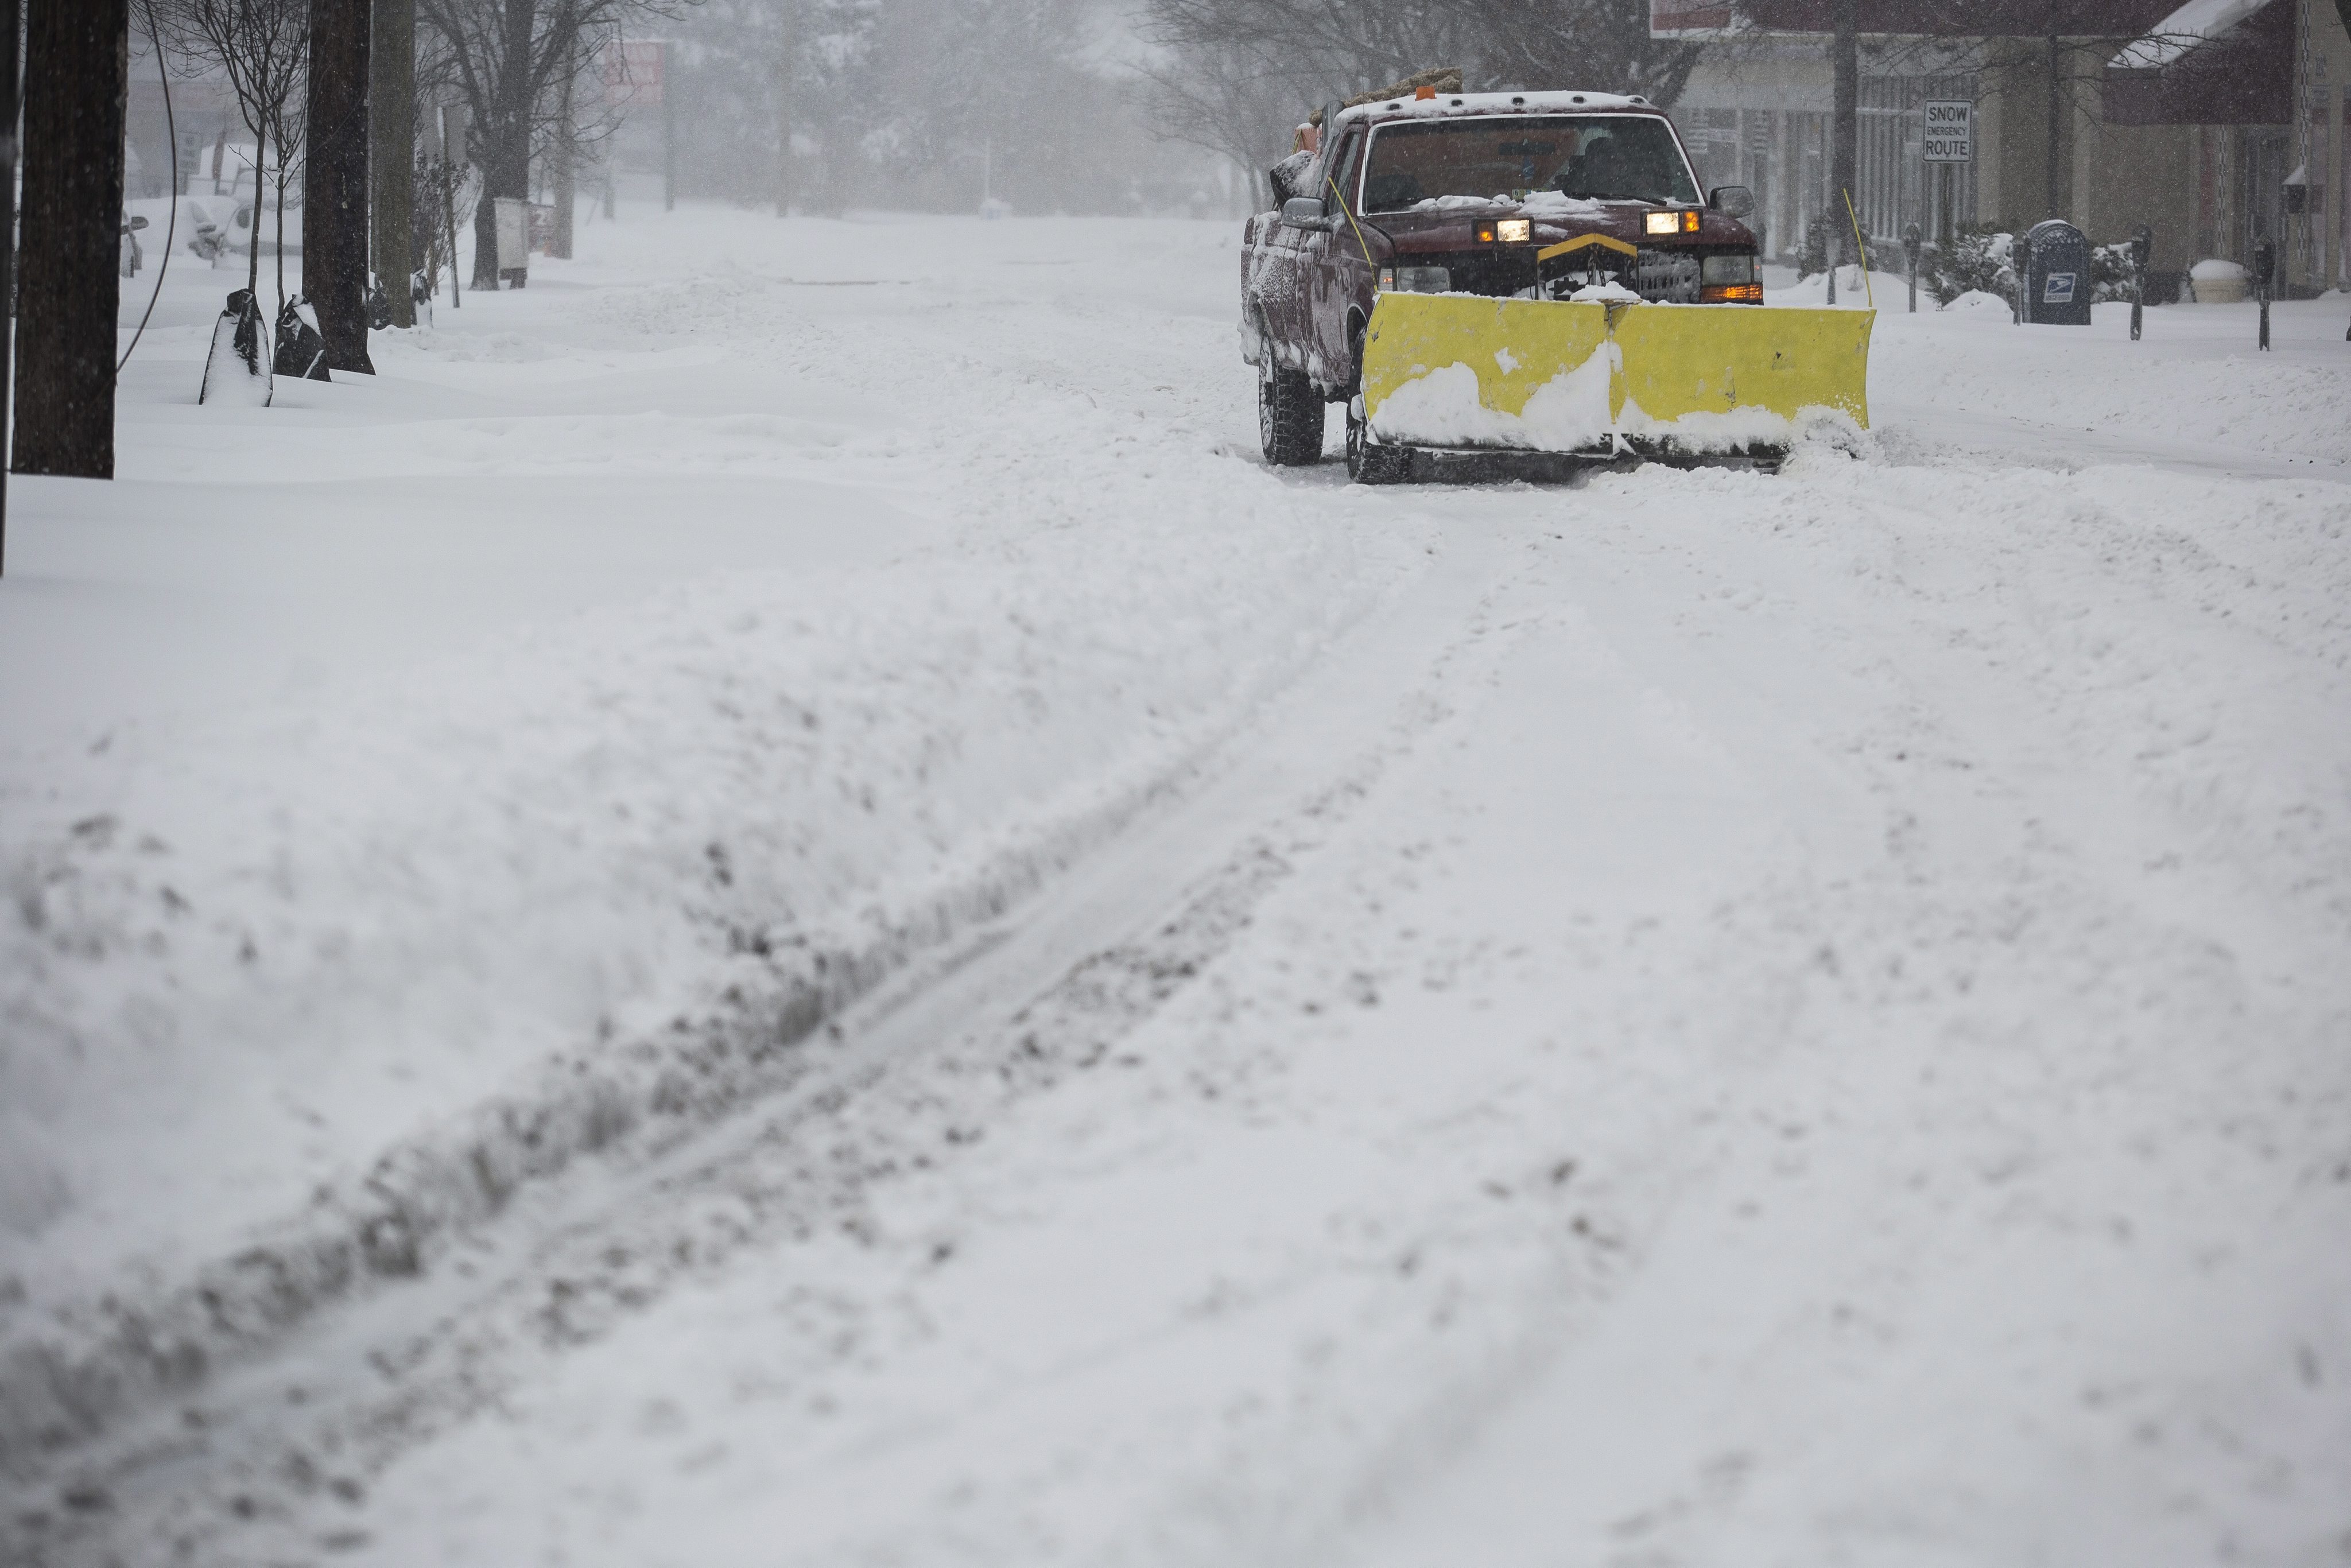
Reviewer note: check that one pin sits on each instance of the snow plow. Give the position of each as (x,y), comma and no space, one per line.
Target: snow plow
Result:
(1483,275)
(1608,377)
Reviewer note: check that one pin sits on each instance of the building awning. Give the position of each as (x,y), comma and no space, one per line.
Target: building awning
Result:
(1714,19)
(2207,62)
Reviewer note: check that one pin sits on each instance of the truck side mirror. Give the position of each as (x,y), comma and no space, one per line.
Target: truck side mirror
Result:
(1731,201)
(137,223)
(1302,212)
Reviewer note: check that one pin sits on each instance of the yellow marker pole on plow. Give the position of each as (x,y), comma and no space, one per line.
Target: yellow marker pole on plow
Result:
(1861,248)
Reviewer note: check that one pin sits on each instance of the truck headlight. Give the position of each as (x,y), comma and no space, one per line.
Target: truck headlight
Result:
(1415,281)
(1738,268)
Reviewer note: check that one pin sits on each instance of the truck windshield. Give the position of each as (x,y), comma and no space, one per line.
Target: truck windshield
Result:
(1625,157)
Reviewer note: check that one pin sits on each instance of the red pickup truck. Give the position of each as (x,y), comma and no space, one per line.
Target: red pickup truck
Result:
(1550,195)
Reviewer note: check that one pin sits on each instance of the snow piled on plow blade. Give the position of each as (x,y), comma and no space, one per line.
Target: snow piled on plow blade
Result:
(1459,370)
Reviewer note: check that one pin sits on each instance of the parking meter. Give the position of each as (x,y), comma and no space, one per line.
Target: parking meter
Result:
(2264,271)
(1910,247)
(2142,248)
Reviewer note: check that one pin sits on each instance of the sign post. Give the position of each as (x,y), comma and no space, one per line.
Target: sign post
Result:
(1947,135)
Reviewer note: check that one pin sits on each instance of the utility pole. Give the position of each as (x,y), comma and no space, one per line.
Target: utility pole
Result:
(335,182)
(392,128)
(10,14)
(787,50)
(76,77)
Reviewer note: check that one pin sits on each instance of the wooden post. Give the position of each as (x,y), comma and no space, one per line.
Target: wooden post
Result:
(76,77)
(391,130)
(335,182)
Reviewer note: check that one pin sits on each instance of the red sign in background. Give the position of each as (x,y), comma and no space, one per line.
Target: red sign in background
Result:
(632,74)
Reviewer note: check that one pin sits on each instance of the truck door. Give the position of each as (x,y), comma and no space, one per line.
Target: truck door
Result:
(1341,276)
(1286,287)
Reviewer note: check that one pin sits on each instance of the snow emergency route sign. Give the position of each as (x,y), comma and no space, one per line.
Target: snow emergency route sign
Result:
(1950,130)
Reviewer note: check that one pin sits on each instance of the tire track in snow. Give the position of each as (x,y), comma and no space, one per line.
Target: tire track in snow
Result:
(286,1431)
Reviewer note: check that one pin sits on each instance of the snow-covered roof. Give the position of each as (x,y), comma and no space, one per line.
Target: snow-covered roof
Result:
(1447,104)
(2196,22)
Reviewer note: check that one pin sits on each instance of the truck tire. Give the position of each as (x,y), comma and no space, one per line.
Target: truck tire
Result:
(1368,462)
(1289,412)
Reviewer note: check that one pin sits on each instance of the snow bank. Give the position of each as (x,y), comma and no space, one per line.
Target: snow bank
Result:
(1975,302)
(2197,377)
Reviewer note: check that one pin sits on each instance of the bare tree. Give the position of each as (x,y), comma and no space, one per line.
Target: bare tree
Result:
(1233,65)
(510,59)
(262,47)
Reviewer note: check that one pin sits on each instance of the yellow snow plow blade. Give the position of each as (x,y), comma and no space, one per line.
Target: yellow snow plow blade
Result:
(1466,373)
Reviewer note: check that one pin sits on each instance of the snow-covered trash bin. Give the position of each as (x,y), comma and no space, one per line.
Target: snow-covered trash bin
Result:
(234,373)
(2217,282)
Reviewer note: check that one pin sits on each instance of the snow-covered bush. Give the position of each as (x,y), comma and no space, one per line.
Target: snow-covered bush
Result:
(1974,260)
(2111,275)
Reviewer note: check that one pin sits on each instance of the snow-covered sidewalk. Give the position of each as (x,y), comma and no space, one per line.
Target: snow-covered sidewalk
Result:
(1697,1017)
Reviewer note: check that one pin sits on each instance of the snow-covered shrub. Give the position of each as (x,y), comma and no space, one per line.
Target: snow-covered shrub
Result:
(2111,277)
(1974,260)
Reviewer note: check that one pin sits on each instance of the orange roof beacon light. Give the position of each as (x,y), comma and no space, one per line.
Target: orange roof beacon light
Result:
(1424,94)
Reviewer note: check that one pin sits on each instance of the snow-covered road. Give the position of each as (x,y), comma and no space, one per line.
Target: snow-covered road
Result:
(818,925)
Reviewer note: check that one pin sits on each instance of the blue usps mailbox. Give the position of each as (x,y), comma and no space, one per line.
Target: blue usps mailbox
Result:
(2058,278)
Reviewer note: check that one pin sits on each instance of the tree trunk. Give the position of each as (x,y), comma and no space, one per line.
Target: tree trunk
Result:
(505,137)
(391,128)
(335,182)
(11,14)
(1845,133)
(565,187)
(253,251)
(76,77)
(2054,173)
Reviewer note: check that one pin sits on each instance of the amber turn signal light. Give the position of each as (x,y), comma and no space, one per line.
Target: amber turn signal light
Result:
(1731,294)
